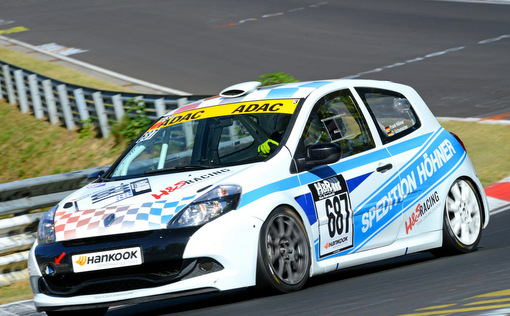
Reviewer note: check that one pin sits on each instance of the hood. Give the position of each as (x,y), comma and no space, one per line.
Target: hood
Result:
(138,204)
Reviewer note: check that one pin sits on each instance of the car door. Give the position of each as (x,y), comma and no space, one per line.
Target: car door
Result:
(398,128)
(349,198)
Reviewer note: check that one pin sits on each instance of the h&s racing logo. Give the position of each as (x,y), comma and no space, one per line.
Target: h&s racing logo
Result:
(421,210)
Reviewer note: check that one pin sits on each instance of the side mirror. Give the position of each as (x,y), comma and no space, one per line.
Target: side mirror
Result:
(320,154)
(95,175)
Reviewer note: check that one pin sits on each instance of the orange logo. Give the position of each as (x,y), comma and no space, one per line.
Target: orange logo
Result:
(82,260)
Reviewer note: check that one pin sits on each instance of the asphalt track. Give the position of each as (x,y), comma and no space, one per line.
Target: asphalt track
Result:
(455,54)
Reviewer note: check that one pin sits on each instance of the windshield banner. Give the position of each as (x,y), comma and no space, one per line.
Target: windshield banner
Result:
(284,106)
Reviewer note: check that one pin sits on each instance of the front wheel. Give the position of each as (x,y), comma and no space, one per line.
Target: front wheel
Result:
(462,227)
(283,261)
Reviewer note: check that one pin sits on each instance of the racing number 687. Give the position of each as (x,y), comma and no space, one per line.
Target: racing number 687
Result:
(336,215)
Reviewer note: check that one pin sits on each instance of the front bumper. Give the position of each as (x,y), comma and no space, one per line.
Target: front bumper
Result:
(163,263)
(175,263)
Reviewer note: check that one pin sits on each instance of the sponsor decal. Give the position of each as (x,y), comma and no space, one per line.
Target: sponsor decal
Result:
(107,259)
(334,213)
(396,128)
(148,135)
(96,185)
(420,211)
(180,184)
(419,174)
(109,220)
(287,106)
(122,191)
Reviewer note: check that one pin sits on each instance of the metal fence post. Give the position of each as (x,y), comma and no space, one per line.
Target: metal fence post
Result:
(79,97)
(1,79)
(8,84)
(101,114)
(118,106)
(66,109)
(36,96)
(181,102)
(160,107)
(22,92)
(50,102)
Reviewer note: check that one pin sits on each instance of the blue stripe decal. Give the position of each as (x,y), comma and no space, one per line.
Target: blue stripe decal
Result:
(307,204)
(282,185)
(408,145)
(316,84)
(424,173)
(281,93)
(391,182)
(418,198)
(355,182)
(342,166)
(309,177)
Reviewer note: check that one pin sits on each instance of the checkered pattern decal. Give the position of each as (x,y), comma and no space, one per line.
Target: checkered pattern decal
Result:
(140,217)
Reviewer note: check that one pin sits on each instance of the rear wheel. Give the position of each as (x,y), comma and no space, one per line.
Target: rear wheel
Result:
(283,261)
(462,227)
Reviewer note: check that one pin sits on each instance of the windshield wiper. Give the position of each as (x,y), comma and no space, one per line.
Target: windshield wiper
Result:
(178,168)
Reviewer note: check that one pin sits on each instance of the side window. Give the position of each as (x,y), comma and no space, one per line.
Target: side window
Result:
(391,111)
(336,118)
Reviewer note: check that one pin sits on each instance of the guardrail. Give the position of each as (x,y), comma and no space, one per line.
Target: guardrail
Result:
(73,105)
(19,220)
(70,105)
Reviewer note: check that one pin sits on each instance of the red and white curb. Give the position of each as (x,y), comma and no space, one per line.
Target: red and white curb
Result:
(498,194)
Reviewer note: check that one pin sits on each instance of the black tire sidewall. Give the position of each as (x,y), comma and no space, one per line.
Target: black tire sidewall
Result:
(266,279)
(451,243)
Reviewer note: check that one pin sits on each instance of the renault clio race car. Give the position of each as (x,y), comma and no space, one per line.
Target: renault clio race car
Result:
(261,186)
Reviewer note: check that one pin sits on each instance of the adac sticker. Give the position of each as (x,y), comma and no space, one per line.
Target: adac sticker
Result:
(285,106)
(334,213)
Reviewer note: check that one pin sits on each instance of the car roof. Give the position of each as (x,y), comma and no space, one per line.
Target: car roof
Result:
(294,90)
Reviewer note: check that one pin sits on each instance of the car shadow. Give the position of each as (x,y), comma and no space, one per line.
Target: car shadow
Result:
(207,301)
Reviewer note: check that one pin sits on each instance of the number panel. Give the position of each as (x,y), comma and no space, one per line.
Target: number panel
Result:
(333,208)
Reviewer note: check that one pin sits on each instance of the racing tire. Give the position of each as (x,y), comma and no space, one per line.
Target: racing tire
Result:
(82,312)
(463,218)
(283,263)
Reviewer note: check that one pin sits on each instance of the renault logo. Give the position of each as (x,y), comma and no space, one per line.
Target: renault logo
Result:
(109,220)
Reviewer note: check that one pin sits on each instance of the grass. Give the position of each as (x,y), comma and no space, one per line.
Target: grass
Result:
(488,147)
(32,148)
(18,291)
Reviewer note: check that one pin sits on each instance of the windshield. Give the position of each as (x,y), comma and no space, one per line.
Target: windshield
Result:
(208,137)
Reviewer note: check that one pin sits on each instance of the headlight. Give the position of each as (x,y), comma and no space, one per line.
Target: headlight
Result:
(209,206)
(46,230)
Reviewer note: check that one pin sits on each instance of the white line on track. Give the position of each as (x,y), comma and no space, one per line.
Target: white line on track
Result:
(480,1)
(431,55)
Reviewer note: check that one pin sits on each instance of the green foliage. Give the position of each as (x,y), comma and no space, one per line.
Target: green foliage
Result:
(276,78)
(133,123)
(88,130)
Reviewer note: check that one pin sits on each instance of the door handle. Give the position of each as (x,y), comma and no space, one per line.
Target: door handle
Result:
(384,168)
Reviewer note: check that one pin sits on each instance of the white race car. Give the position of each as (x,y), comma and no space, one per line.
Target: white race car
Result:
(261,186)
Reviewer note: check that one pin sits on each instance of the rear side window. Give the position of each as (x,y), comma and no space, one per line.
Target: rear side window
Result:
(391,111)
